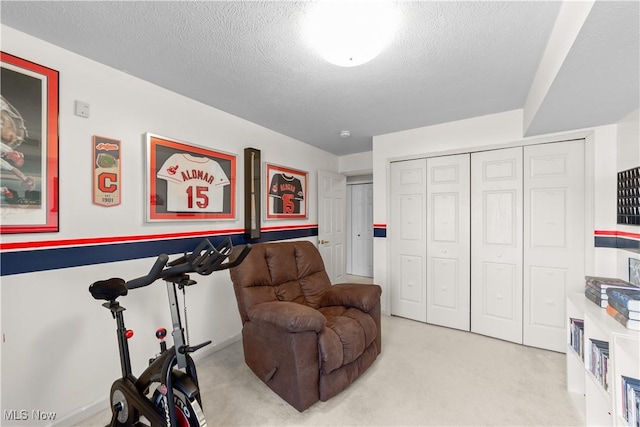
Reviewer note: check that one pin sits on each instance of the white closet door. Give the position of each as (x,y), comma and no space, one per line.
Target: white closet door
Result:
(496,243)
(448,241)
(553,238)
(361,233)
(407,234)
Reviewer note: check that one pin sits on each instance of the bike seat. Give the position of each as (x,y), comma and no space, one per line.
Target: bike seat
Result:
(109,289)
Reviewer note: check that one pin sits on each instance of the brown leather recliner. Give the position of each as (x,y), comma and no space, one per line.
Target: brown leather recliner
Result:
(305,338)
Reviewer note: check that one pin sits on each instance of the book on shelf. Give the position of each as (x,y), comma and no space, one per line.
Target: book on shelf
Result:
(631,400)
(599,365)
(595,297)
(577,336)
(631,314)
(595,290)
(604,283)
(624,321)
(628,298)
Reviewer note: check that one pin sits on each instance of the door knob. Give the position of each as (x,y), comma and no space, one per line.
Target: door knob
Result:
(322,242)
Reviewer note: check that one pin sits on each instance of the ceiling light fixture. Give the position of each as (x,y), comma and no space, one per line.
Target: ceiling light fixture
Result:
(345,134)
(349,33)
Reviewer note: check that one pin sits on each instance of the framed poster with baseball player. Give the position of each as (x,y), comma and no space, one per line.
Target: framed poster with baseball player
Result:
(286,192)
(188,182)
(29,172)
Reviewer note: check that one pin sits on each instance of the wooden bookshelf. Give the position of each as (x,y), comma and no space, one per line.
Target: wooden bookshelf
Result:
(599,406)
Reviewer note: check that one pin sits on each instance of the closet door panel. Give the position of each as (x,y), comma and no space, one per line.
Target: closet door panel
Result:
(407,236)
(553,238)
(448,241)
(500,224)
(445,273)
(411,279)
(498,279)
(496,244)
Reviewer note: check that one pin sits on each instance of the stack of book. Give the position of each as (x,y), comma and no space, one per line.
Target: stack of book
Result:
(631,400)
(595,288)
(624,306)
(600,361)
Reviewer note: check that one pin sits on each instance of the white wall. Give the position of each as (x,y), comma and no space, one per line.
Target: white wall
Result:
(605,197)
(59,351)
(628,156)
(567,27)
(629,141)
(356,164)
(487,132)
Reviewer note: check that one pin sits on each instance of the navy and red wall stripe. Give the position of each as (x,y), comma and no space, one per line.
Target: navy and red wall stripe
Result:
(379,230)
(28,257)
(617,239)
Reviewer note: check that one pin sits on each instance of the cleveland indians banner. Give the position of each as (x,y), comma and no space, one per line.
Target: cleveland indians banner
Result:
(188,182)
(106,171)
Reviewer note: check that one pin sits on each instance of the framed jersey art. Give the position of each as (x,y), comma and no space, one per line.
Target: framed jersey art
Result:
(188,182)
(287,192)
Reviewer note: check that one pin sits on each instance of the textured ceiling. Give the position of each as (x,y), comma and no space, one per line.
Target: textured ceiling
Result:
(449,61)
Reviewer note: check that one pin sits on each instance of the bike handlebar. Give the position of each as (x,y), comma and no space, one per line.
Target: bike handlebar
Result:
(204,260)
(153,275)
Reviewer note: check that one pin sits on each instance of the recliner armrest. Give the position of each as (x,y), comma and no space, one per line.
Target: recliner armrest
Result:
(361,296)
(290,316)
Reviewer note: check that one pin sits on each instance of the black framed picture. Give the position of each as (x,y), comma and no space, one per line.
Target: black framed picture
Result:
(629,196)
(286,192)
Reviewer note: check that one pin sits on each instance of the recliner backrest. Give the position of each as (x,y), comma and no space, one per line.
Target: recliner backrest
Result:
(283,271)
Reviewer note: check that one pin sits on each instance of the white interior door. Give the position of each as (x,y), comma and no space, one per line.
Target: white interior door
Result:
(361,230)
(407,235)
(496,243)
(553,238)
(332,191)
(448,241)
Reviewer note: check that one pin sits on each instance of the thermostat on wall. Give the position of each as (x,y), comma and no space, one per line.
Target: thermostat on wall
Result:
(82,109)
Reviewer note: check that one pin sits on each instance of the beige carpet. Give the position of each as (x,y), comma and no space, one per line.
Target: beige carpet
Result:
(426,375)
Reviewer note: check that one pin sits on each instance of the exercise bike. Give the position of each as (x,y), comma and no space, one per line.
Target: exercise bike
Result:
(166,393)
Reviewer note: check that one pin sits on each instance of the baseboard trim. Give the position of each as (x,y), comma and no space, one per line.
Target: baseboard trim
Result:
(102,404)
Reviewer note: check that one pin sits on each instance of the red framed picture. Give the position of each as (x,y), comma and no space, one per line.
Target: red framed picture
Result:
(188,182)
(286,192)
(29,173)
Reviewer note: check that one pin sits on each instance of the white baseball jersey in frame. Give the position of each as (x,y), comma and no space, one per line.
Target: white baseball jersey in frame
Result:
(194,184)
